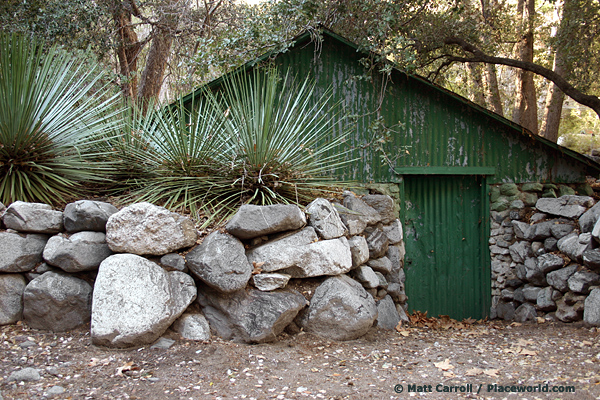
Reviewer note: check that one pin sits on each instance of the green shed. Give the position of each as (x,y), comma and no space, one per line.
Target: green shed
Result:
(438,154)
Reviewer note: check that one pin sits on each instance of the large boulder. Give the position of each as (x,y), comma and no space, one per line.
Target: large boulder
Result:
(87,215)
(326,257)
(569,206)
(57,302)
(254,221)
(354,221)
(11,298)
(323,216)
(589,218)
(20,252)
(251,316)
(144,228)
(135,301)
(220,262)
(340,309)
(82,251)
(575,245)
(559,279)
(33,218)
(581,281)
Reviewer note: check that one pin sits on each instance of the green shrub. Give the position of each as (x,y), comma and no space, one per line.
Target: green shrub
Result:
(50,122)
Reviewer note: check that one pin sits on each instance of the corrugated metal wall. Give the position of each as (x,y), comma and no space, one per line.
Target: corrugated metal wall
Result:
(428,127)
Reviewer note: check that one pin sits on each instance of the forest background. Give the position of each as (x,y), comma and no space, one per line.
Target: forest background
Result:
(517,58)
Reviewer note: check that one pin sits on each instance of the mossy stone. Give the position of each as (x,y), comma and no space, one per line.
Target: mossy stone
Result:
(529,198)
(585,190)
(494,194)
(509,189)
(564,190)
(532,187)
(550,186)
(549,193)
(500,205)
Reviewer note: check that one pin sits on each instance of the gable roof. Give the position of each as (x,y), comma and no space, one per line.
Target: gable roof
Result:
(310,36)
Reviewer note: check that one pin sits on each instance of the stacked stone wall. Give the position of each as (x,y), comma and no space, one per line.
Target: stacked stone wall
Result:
(135,272)
(545,252)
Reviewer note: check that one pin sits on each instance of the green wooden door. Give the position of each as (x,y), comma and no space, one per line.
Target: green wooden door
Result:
(446,235)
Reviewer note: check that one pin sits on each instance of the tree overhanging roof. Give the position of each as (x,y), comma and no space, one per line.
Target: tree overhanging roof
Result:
(308,36)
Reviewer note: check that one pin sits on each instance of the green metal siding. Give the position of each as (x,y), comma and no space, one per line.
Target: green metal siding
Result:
(445,229)
(437,129)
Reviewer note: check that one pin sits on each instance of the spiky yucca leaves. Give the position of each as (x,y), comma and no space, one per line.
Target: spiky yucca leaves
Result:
(282,135)
(48,120)
(261,139)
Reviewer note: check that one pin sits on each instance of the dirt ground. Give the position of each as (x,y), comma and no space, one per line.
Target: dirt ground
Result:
(419,361)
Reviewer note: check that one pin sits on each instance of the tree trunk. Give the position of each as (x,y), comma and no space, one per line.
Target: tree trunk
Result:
(158,55)
(492,92)
(128,48)
(525,112)
(477,94)
(554,102)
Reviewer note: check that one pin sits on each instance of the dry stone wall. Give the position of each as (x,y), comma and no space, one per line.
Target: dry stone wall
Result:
(545,251)
(334,269)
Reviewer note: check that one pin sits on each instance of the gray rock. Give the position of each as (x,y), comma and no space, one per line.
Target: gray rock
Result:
(518,295)
(383,265)
(354,221)
(340,309)
(530,293)
(393,231)
(581,281)
(520,251)
(533,274)
(589,218)
(507,294)
(545,300)
(135,301)
(383,283)
(192,326)
(396,256)
(25,375)
(596,232)
(33,218)
(591,312)
(220,261)
(87,215)
(560,230)
(377,243)
(549,262)
(55,391)
(323,216)
(82,251)
(571,298)
(384,205)
(574,245)
(522,230)
(57,302)
(550,245)
(267,282)
(253,221)
(569,313)
(173,262)
(250,315)
(559,279)
(525,312)
(144,228)
(591,259)
(359,250)
(326,257)
(11,298)
(537,217)
(368,213)
(366,276)
(540,231)
(163,344)
(506,310)
(387,315)
(20,252)
(396,290)
(569,206)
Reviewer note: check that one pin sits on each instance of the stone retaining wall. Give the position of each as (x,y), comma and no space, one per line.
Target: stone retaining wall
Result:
(544,243)
(334,269)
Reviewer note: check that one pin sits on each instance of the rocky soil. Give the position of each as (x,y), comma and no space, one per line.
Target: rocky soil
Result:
(442,353)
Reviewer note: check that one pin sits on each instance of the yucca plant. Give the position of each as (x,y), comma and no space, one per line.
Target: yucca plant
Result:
(50,121)
(284,145)
(259,139)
